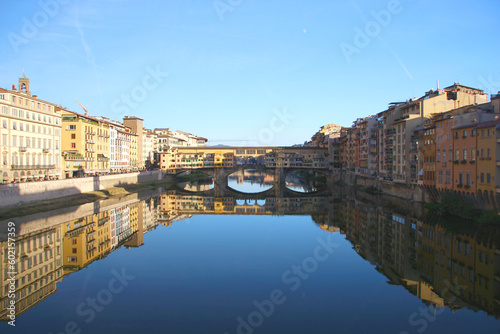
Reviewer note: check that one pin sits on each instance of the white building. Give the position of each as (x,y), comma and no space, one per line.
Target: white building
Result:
(30,133)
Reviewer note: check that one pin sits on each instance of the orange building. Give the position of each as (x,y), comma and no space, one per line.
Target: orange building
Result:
(444,152)
(487,134)
(464,159)
(428,146)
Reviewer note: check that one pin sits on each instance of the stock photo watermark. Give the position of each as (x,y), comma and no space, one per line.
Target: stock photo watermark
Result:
(31,27)
(372,29)
(292,279)
(128,102)
(428,314)
(11,273)
(489,84)
(278,123)
(223,6)
(104,297)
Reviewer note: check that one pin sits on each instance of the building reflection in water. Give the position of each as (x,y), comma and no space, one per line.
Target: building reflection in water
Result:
(252,176)
(47,254)
(443,268)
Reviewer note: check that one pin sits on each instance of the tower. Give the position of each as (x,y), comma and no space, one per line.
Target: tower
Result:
(24,85)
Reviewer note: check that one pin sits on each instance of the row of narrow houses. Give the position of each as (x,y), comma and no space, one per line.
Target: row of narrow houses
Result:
(446,138)
(40,140)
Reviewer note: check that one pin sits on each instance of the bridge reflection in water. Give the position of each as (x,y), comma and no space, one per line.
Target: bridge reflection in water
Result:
(444,268)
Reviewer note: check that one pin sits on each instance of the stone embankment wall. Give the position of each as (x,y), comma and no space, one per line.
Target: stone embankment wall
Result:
(417,193)
(18,193)
(408,192)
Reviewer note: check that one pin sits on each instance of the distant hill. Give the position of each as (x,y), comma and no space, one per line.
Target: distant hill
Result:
(220,145)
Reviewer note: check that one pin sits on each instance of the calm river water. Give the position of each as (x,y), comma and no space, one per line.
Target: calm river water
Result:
(188,262)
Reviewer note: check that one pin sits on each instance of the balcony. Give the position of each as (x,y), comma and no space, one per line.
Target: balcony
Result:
(103,221)
(90,150)
(74,157)
(23,149)
(90,141)
(45,150)
(26,167)
(463,162)
(390,132)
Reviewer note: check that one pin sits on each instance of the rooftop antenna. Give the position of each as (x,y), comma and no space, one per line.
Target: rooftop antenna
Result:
(438,85)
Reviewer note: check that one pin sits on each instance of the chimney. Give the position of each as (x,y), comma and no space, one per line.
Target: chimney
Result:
(13,87)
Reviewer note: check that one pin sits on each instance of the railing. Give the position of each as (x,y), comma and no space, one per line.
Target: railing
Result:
(45,150)
(21,167)
(23,149)
(90,141)
(89,150)
(76,158)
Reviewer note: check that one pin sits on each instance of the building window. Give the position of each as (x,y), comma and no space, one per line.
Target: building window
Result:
(488,178)
(73,145)
(448,177)
(73,136)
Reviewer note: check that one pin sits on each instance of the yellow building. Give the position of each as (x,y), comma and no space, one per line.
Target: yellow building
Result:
(177,158)
(30,134)
(85,240)
(134,162)
(85,144)
(38,268)
(135,124)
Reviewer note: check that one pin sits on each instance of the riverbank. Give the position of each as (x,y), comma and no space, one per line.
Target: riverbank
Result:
(117,192)
(28,192)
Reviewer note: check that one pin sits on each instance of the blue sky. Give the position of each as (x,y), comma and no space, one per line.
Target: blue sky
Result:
(246,71)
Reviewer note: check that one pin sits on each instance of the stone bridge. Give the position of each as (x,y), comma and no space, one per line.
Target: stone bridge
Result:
(222,189)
